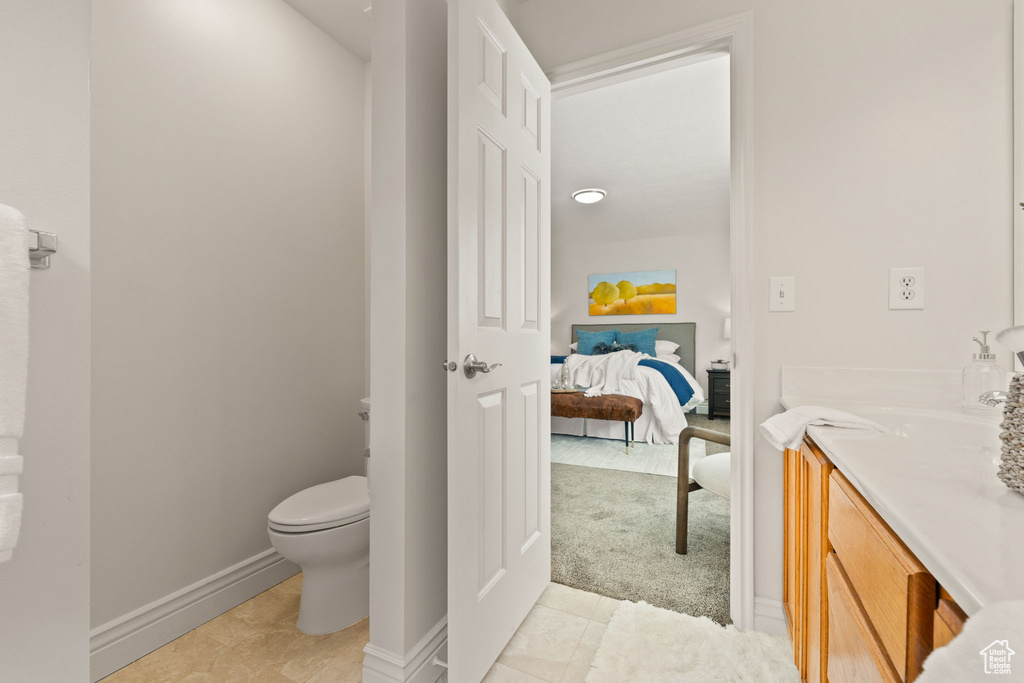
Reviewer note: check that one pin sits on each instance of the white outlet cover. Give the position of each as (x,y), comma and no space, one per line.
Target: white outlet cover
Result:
(782,293)
(906,289)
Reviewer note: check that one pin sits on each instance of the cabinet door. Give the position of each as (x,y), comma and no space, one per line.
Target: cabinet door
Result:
(793,558)
(817,469)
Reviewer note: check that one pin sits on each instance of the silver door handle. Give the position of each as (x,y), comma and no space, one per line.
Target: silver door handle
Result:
(473,366)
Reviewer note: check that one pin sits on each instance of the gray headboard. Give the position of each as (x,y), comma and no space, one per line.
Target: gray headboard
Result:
(680,333)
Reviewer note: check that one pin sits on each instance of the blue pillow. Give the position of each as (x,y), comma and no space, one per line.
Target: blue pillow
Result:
(585,341)
(643,340)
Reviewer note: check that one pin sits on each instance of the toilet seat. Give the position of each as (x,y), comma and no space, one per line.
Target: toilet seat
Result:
(325,506)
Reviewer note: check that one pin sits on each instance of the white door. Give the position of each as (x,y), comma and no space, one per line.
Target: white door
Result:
(499,163)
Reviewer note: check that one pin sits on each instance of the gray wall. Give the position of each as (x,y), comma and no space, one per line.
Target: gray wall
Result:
(228,313)
(44,172)
(408,499)
(881,137)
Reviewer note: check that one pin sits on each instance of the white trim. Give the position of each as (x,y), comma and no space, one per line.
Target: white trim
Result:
(735,36)
(417,666)
(1018,165)
(770,617)
(121,641)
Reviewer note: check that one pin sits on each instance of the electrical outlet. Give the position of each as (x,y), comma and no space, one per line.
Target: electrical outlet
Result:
(782,294)
(906,288)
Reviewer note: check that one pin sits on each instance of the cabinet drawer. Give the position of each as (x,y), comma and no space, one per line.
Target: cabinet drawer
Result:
(855,654)
(948,622)
(896,591)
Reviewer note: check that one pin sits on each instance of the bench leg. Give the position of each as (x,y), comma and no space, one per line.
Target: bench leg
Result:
(627,437)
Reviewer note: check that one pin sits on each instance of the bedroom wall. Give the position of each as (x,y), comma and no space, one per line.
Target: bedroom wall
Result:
(44,172)
(228,308)
(659,145)
(875,144)
(702,286)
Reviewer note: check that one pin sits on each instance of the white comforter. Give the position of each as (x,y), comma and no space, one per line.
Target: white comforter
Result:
(619,373)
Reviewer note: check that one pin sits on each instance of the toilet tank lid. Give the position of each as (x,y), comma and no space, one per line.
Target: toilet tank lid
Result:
(343,500)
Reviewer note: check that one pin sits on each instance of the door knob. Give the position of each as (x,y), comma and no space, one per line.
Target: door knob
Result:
(473,366)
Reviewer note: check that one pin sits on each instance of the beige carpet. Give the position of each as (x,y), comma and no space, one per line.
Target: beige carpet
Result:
(613,533)
(644,643)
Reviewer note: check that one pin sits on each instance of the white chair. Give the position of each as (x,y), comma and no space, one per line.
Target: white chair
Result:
(689,483)
(712,473)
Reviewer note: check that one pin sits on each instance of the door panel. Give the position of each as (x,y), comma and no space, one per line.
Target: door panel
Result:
(499,537)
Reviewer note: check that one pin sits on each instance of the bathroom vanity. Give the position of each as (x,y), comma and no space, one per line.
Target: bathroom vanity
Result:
(892,541)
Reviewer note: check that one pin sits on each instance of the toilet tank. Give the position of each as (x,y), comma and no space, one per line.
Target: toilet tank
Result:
(364,412)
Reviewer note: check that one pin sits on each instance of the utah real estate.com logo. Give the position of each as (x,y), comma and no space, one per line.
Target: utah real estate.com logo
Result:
(997,657)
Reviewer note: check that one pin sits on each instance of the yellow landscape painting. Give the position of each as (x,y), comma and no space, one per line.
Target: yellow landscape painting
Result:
(639,293)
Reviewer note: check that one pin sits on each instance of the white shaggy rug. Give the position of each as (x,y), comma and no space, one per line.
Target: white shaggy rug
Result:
(645,643)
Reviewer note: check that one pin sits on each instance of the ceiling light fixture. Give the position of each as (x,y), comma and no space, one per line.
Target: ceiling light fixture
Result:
(589,196)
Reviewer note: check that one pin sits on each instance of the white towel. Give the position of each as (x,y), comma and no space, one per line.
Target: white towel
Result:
(14,271)
(991,638)
(786,430)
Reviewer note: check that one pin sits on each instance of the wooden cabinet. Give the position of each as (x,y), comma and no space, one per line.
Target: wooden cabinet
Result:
(806,545)
(948,621)
(855,652)
(859,605)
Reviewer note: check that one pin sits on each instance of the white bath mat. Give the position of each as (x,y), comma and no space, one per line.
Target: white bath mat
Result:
(645,643)
(610,454)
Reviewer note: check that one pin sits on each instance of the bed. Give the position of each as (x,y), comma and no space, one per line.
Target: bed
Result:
(663,415)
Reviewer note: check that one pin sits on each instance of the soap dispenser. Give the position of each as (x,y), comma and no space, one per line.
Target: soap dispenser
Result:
(982,375)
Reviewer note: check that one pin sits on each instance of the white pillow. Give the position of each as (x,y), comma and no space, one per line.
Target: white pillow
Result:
(663,347)
(671,358)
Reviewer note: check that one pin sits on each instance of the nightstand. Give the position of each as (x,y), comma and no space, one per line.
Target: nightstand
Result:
(718,393)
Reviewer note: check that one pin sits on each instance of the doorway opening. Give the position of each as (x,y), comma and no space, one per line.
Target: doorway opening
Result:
(661,128)
(654,255)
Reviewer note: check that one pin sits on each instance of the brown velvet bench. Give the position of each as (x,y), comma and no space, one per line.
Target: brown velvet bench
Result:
(625,409)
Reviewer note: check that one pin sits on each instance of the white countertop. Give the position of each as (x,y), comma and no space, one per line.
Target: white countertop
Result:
(932,478)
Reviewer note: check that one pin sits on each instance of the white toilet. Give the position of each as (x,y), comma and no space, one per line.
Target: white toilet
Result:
(325,529)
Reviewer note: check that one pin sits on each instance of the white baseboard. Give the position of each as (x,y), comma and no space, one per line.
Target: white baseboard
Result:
(770,617)
(120,642)
(417,666)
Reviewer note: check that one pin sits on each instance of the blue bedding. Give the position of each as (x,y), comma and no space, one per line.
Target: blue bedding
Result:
(672,375)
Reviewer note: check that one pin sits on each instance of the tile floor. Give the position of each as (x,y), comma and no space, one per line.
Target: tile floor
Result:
(257,642)
(557,641)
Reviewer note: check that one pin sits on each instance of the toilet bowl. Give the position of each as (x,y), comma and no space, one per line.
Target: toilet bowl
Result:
(325,529)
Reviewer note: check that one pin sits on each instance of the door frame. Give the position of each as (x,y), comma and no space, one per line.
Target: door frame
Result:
(1018,167)
(732,35)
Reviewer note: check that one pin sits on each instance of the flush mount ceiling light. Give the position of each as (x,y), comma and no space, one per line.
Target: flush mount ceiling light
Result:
(589,196)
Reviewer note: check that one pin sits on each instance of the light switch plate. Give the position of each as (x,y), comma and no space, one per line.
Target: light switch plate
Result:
(906,289)
(782,294)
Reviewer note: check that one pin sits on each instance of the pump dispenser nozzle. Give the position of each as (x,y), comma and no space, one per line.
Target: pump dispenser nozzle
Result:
(983,353)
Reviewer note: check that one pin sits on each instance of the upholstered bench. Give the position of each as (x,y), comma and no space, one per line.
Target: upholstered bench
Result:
(625,409)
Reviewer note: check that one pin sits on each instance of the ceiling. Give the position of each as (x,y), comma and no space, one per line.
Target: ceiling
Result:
(658,144)
(343,20)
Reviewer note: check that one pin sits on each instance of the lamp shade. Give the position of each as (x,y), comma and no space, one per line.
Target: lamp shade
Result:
(727,328)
